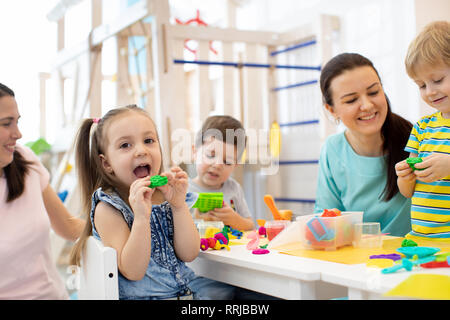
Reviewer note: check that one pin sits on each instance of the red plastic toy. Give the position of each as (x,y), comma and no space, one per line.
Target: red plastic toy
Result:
(435,264)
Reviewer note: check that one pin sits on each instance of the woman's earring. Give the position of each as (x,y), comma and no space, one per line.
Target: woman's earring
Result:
(337,120)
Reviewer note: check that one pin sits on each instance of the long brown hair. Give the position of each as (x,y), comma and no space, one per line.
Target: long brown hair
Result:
(91,174)
(395,130)
(16,171)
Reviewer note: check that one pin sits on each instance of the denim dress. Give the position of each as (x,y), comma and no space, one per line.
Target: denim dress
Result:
(166,276)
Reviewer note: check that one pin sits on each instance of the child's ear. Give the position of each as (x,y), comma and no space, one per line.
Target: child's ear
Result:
(105,164)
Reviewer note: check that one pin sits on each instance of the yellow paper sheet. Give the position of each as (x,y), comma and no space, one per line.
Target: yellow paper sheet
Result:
(351,255)
(423,286)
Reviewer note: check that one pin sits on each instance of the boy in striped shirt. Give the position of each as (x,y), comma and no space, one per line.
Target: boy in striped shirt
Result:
(428,64)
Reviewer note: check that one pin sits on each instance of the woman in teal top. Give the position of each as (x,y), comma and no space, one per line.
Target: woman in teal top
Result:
(357,166)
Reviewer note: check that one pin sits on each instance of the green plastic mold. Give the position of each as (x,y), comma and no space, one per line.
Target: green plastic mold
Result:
(209,201)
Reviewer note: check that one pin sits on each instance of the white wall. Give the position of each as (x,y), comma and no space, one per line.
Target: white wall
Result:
(380,30)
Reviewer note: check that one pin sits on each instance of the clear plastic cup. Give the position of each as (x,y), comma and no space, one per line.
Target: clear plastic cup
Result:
(367,235)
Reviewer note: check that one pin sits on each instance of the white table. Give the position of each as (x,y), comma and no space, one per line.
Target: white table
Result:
(295,278)
(275,274)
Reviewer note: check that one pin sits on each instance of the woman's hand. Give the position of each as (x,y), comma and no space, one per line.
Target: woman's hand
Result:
(436,166)
(140,198)
(176,188)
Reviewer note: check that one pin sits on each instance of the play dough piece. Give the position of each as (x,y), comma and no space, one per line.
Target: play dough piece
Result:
(157,181)
(412,161)
(408,243)
(260,251)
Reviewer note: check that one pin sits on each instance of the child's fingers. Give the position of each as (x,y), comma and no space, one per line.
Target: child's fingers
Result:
(404,172)
(425,175)
(402,165)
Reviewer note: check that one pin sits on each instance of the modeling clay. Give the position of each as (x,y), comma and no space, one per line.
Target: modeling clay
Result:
(262,231)
(238,234)
(331,213)
(221,238)
(260,251)
(412,161)
(211,231)
(408,243)
(157,181)
(392,256)
(204,244)
(421,252)
(209,201)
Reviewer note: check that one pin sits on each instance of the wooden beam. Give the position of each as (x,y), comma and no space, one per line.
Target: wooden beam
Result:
(220,34)
(99,34)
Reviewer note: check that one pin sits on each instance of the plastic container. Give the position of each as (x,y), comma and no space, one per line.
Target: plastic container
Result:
(203,225)
(273,228)
(328,233)
(367,235)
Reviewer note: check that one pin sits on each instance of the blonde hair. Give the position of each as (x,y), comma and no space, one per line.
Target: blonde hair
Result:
(430,47)
(91,174)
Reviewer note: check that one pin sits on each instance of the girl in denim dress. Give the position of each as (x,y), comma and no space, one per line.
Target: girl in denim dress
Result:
(150,228)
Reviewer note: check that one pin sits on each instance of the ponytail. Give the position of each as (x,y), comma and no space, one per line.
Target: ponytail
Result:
(90,177)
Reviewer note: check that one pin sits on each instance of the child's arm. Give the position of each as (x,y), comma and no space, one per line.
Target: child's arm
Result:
(186,237)
(133,246)
(229,217)
(406,180)
(436,166)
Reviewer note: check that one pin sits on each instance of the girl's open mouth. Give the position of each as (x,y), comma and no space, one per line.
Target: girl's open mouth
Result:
(142,171)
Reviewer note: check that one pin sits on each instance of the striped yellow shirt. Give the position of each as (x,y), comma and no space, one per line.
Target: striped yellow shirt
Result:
(430,205)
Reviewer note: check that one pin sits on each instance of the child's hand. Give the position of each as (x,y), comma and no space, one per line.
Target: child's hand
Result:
(140,197)
(436,166)
(206,216)
(176,188)
(226,214)
(403,171)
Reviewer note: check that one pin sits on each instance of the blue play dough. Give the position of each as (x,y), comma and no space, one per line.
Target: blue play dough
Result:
(421,252)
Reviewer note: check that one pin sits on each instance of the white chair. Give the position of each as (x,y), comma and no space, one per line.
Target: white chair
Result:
(99,272)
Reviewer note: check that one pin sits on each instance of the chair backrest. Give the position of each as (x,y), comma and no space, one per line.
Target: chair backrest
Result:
(99,273)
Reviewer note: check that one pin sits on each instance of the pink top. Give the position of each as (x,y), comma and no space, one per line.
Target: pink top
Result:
(27,270)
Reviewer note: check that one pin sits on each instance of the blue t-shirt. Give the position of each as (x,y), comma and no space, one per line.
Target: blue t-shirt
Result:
(350,182)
